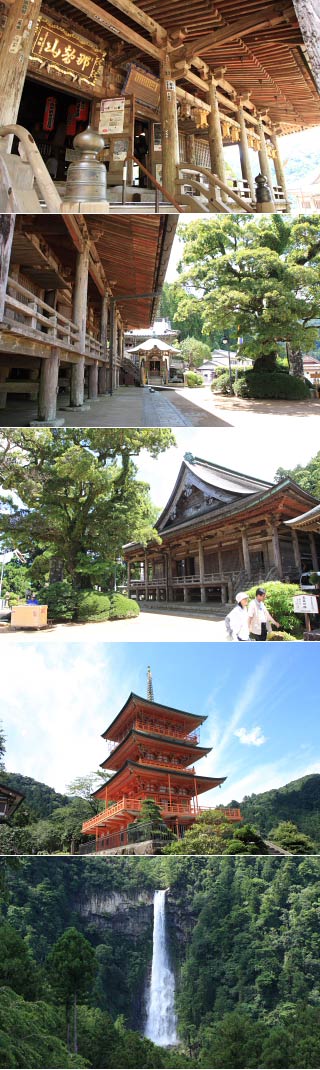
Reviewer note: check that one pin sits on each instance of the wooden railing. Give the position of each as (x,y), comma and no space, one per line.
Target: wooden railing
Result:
(210,190)
(24,308)
(161,730)
(158,188)
(183,581)
(185,809)
(41,174)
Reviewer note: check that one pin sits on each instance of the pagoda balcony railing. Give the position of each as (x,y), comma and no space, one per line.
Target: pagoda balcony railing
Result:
(188,809)
(168,765)
(160,730)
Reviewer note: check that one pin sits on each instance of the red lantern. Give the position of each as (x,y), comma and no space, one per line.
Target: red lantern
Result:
(49,113)
(71,127)
(81,110)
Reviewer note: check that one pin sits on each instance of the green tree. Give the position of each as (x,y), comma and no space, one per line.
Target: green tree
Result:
(72,498)
(260,277)
(308,476)
(17,967)
(71,965)
(211,833)
(194,352)
(288,836)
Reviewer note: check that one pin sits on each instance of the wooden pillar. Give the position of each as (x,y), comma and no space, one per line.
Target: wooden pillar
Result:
(244,153)
(129,577)
(201,571)
(93,380)
(308,15)
(170,586)
(279,169)
(264,158)
(16,44)
(296,550)
(169,126)
(112,344)
(102,373)
(313,548)
(102,380)
(191,150)
(48,388)
(245,551)
(215,136)
(7,224)
(146,577)
(276,549)
(4,374)
(80,319)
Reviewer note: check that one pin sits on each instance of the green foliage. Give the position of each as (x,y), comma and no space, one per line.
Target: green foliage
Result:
(16,581)
(281,637)
(30,1036)
(60,597)
(221,384)
(69,494)
(194,352)
(270,384)
(307,477)
(212,834)
(121,607)
(288,836)
(15,841)
(298,801)
(93,605)
(245,937)
(17,967)
(192,379)
(259,276)
(279,602)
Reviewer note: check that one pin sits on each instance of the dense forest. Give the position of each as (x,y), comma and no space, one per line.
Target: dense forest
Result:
(76,939)
(47,821)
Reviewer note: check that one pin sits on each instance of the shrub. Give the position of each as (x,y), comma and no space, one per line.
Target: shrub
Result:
(93,605)
(221,384)
(122,607)
(193,379)
(60,599)
(279,602)
(282,637)
(277,384)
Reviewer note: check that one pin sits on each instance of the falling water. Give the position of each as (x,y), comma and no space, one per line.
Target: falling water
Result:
(161,1026)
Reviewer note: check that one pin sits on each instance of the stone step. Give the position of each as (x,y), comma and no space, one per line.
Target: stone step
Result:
(211,610)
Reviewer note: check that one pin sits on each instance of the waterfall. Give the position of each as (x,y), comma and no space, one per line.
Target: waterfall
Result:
(161,1025)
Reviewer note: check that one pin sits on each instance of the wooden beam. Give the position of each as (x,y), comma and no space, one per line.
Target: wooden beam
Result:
(231,31)
(137,15)
(109,22)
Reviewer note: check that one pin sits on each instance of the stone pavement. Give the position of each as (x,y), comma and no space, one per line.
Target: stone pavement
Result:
(147,628)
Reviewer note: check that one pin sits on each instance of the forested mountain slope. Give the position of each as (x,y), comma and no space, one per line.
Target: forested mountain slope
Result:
(243,936)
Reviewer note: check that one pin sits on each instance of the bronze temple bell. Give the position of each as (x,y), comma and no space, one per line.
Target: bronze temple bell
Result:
(87,176)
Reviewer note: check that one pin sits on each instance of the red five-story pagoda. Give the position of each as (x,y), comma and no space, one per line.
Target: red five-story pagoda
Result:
(152,749)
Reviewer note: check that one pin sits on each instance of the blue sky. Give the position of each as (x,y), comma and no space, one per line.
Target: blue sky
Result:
(260,703)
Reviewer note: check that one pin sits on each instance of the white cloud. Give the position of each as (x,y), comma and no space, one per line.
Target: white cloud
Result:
(255,738)
(55,702)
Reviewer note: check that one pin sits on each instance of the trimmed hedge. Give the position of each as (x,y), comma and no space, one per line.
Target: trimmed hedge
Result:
(281,637)
(279,602)
(192,379)
(221,384)
(60,599)
(278,384)
(121,607)
(93,605)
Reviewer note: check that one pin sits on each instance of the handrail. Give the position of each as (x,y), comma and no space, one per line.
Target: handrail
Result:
(214,181)
(58,328)
(155,182)
(183,808)
(5,180)
(41,174)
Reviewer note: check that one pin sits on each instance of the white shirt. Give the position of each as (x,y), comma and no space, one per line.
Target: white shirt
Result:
(239,623)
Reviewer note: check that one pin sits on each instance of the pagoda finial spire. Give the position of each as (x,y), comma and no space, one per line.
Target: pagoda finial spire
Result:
(150,693)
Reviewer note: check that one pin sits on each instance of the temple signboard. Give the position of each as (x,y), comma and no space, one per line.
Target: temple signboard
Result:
(66,52)
(142,85)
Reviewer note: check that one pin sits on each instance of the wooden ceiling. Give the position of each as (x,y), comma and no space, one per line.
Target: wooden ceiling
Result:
(133,253)
(270,61)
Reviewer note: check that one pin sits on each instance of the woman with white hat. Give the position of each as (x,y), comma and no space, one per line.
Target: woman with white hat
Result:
(237,621)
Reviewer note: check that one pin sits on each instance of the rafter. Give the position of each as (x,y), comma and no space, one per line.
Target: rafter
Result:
(231,31)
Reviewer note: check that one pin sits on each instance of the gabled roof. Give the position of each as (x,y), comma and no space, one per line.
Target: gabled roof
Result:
(229,484)
(204,783)
(11,799)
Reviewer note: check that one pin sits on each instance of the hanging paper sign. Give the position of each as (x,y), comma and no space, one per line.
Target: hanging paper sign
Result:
(112,116)
(81,110)
(142,85)
(170,85)
(120,149)
(49,113)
